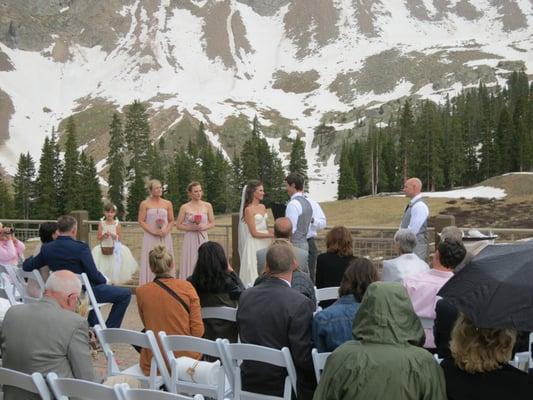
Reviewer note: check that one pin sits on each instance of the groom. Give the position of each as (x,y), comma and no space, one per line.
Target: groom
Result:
(299,210)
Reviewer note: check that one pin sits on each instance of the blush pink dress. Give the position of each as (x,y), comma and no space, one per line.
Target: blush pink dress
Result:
(191,241)
(154,217)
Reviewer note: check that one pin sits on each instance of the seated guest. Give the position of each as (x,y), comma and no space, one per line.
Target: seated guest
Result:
(48,336)
(168,304)
(408,263)
(333,326)
(423,287)
(330,266)
(68,253)
(384,361)
(479,368)
(283,230)
(47,233)
(11,249)
(301,282)
(217,286)
(272,314)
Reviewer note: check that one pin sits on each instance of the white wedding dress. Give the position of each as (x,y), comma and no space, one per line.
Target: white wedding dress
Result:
(250,245)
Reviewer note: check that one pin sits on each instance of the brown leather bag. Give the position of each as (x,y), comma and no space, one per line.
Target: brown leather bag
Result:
(108,250)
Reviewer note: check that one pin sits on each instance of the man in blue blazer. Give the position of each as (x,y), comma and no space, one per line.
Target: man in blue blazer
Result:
(68,253)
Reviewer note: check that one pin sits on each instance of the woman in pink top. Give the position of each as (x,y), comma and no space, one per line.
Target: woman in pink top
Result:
(423,287)
(11,249)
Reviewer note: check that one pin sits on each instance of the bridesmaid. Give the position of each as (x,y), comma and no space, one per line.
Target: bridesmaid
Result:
(195,218)
(156,218)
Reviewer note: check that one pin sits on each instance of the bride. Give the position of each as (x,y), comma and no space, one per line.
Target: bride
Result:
(253,232)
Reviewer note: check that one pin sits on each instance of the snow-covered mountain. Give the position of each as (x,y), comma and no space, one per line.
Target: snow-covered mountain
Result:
(294,64)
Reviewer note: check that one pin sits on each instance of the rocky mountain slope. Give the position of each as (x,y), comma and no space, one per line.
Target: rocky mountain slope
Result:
(295,64)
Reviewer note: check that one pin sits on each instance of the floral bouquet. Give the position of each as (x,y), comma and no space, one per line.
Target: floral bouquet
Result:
(197,219)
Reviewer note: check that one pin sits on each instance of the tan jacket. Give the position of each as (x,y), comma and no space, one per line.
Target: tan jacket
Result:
(159,311)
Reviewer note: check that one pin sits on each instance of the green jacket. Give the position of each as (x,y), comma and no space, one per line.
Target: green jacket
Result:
(385,361)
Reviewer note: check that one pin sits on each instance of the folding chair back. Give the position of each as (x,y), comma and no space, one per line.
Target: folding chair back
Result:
(34,383)
(66,388)
(6,283)
(146,340)
(22,281)
(225,313)
(143,394)
(319,360)
(238,352)
(94,305)
(204,346)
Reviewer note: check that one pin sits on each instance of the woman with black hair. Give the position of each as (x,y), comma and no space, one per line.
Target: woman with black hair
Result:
(217,285)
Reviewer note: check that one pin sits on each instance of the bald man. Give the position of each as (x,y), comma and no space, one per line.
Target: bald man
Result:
(283,230)
(415,216)
(48,336)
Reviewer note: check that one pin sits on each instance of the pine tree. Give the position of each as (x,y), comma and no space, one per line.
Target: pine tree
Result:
(115,161)
(58,173)
(137,133)
(71,185)
(137,193)
(45,185)
(156,164)
(406,138)
(90,193)
(23,184)
(7,208)
(347,184)
(298,162)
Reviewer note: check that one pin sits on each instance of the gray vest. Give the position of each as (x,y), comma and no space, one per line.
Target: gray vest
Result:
(421,236)
(299,237)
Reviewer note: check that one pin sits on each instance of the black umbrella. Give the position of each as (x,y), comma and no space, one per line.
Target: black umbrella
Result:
(495,290)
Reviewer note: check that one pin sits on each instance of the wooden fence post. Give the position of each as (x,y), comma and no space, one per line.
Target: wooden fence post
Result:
(83,228)
(442,221)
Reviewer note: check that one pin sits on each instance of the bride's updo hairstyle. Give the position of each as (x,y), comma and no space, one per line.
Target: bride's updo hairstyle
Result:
(251,187)
(160,260)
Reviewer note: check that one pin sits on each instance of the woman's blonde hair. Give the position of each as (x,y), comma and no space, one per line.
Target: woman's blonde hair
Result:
(160,260)
(480,349)
(151,184)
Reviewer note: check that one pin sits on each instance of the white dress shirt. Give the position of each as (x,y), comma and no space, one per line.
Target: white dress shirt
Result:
(294,210)
(319,219)
(419,214)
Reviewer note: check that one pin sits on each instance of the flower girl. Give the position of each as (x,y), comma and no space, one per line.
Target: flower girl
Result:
(112,258)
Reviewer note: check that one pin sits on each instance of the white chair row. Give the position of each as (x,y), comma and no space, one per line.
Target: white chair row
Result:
(14,282)
(66,388)
(227,379)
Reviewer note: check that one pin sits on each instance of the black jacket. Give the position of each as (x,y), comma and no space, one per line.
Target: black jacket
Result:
(506,382)
(272,314)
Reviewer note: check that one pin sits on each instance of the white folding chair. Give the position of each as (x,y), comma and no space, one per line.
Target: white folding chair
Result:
(319,360)
(21,279)
(238,352)
(142,394)
(328,293)
(94,305)
(225,313)
(199,345)
(524,357)
(66,388)
(146,340)
(33,383)
(9,292)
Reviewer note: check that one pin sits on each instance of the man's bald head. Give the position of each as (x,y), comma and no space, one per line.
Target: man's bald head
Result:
(65,287)
(283,228)
(412,187)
